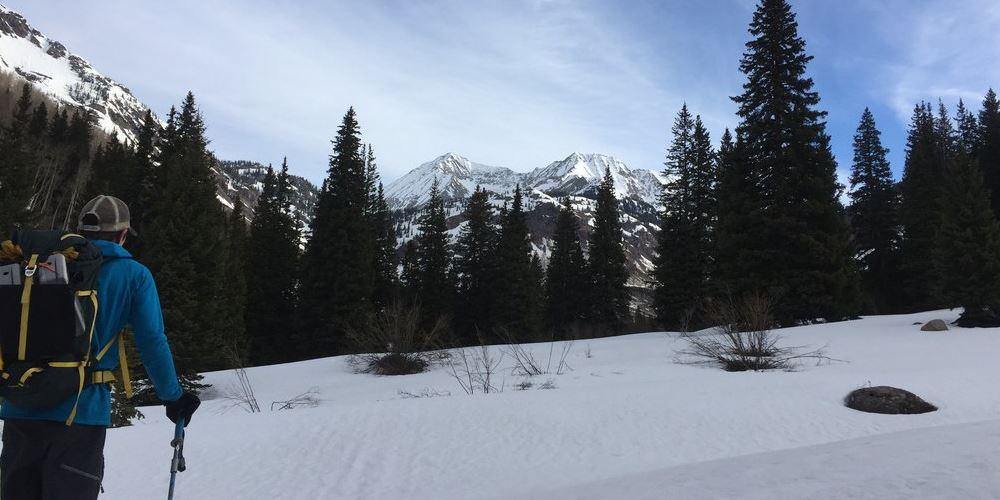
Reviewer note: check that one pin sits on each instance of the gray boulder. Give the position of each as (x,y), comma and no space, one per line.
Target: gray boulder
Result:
(887,400)
(934,325)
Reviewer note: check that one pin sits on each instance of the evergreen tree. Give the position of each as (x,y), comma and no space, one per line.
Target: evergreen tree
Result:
(409,275)
(969,246)
(988,147)
(386,279)
(920,214)
(874,216)
(16,169)
(476,270)
(684,244)
(967,137)
(515,312)
(739,248)
(610,300)
(383,237)
(337,285)
(143,179)
(271,268)
(567,284)
(234,298)
(806,264)
(184,246)
(434,285)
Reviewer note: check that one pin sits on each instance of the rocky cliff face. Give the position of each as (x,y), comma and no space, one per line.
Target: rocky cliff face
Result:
(66,77)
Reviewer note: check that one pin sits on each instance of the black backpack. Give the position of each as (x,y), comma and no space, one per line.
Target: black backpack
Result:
(47,317)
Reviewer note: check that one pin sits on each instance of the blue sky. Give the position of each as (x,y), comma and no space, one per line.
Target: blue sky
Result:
(517,83)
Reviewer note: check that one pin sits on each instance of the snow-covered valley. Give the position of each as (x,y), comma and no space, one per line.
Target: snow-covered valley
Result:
(626,421)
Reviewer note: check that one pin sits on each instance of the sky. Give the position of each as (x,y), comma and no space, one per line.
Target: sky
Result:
(514,83)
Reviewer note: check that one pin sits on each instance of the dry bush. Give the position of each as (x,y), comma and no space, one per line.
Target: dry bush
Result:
(525,363)
(743,338)
(241,394)
(308,399)
(425,393)
(395,343)
(475,369)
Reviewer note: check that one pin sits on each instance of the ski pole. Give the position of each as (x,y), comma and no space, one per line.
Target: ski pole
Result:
(177,462)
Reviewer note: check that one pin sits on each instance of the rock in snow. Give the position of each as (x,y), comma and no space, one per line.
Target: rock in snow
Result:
(934,325)
(887,400)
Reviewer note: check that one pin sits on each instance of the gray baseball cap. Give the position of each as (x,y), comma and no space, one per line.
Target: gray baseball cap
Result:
(105,214)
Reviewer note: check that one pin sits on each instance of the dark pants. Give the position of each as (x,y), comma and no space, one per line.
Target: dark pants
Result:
(44,460)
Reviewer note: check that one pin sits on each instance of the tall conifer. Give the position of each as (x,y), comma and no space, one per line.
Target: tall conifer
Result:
(610,299)
(684,245)
(435,287)
(184,247)
(337,284)
(476,269)
(874,214)
(922,190)
(567,283)
(806,263)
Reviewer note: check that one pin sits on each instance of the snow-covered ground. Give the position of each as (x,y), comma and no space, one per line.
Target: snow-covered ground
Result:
(626,422)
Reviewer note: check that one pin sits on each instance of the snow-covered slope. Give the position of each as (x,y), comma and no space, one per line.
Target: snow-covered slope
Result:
(245,179)
(581,173)
(67,77)
(622,421)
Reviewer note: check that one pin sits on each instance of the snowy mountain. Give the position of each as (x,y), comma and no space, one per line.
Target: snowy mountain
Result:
(577,177)
(245,179)
(67,77)
(71,81)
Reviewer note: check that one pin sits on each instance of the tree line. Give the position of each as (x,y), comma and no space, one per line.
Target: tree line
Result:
(761,214)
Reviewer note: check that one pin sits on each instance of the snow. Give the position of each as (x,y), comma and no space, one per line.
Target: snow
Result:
(68,78)
(627,421)
(578,173)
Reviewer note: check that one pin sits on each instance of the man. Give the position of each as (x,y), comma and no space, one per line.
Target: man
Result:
(42,457)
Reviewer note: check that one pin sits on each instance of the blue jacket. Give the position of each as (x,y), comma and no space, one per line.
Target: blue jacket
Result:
(127,296)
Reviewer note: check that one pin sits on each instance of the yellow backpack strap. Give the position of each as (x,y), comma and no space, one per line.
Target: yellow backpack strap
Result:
(122,360)
(29,281)
(81,366)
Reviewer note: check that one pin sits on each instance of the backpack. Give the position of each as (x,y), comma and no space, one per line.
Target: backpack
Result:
(48,311)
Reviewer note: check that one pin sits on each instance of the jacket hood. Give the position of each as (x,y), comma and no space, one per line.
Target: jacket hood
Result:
(109,249)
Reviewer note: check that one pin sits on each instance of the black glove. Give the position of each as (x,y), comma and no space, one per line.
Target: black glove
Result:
(184,407)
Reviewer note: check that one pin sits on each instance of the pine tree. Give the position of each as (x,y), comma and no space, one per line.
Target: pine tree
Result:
(967,136)
(739,249)
(515,312)
(806,263)
(337,284)
(184,246)
(386,280)
(434,285)
(988,147)
(271,269)
(874,214)
(920,214)
(143,178)
(610,299)
(567,284)
(16,169)
(969,246)
(476,270)
(233,301)
(684,243)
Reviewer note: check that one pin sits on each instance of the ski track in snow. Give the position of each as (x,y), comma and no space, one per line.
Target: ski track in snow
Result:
(627,422)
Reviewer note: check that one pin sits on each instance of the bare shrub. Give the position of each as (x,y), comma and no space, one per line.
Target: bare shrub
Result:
(425,393)
(743,338)
(524,385)
(475,369)
(395,343)
(549,384)
(241,394)
(524,361)
(308,399)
